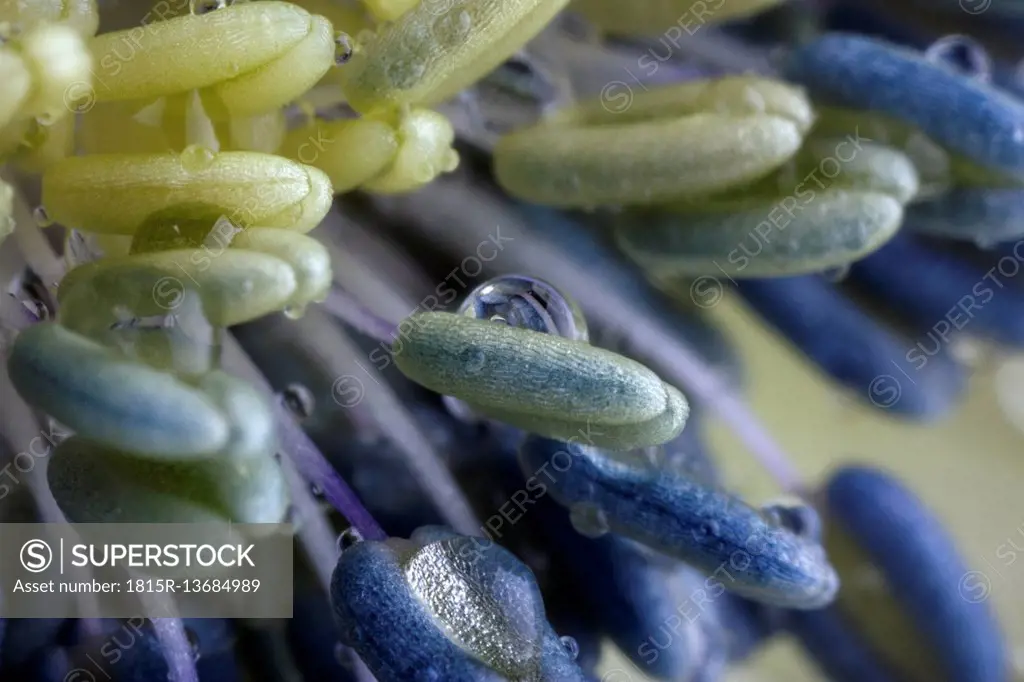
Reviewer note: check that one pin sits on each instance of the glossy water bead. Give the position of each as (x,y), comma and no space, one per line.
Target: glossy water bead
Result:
(524,302)
(442,606)
(529,303)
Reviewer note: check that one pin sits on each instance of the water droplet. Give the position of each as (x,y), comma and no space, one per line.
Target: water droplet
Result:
(37,309)
(795,516)
(298,400)
(46,118)
(486,600)
(589,520)
(206,6)
(41,217)
(344,48)
(193,644)
(962,53)
(196,158)
(348,539)
(571,646)
(528,303)
(294,312)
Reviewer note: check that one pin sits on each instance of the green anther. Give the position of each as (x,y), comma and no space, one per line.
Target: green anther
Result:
(252,57)
(622,437)
(938,167)
(424,152)
(350,151)
(309,260)
(235,285)
(93,484)
(538,381)
(109,399)
(669,143)
(838,202)
(428,56)
(247,188)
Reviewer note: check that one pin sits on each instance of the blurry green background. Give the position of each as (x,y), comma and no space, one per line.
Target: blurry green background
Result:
(969,469)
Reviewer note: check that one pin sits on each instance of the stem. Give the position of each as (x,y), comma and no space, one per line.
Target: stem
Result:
(315,534)
(348,243)
(311,463)
(431,473)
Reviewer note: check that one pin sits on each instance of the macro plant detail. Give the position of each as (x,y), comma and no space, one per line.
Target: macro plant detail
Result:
(225,228)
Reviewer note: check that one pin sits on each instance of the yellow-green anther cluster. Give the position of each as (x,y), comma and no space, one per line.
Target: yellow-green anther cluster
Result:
(248,188)
(396,153)
(245,59)
(150,447)
(545,384)
(671,20)
(435,50)
(39,67)
(838,200)
(661,145)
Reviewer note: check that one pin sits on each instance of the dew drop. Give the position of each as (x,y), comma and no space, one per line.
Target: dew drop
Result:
(527,303)
(193,644)
(206,6)
(589,520)
(298,400)
(294,312)
(571,646)
(46,119)
(348,539)
(488,604)
(196,158)
(344,48)
(962,53)
(41,217)
(795,516)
